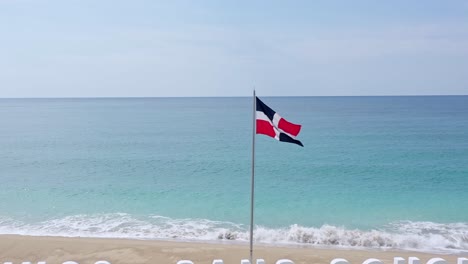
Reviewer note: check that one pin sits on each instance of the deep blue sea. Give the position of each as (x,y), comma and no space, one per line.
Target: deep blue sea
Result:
(375,172)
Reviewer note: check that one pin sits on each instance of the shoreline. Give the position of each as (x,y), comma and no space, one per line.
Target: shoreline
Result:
(19,248)
(424,237)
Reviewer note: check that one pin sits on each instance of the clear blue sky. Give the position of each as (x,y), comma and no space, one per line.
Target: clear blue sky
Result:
(89,48)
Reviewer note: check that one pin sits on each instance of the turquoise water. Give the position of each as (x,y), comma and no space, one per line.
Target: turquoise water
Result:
(374,172)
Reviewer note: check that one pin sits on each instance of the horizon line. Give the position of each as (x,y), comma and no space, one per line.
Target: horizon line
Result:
(237,96)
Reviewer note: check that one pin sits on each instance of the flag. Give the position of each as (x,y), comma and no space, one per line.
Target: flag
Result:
(269,123)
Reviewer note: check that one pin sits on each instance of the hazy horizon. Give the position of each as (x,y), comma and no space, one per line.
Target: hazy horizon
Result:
(162,97)
(241,96)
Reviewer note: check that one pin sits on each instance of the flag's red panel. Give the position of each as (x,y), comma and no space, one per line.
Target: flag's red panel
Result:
(265,128)
(289,127)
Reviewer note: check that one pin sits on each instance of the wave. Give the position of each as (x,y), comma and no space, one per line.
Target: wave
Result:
(403,235)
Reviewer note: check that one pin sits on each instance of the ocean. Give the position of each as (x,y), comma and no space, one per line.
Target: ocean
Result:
(376,172)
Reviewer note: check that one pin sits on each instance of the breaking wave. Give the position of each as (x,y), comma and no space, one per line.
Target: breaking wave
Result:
(403,235)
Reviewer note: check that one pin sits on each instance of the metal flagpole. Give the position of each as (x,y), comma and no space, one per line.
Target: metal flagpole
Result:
(253,174)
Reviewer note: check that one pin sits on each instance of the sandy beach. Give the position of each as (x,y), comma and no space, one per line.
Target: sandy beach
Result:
(16,249)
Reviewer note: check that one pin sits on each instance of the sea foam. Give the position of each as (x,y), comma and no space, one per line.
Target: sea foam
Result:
(403,235)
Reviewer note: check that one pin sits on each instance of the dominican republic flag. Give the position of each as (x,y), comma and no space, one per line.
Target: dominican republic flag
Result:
(271,124)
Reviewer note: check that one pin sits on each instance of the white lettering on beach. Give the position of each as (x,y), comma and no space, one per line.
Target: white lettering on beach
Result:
(396,260)
(339,261)
(372,261)
(414,260)
(284,261)
(399,260)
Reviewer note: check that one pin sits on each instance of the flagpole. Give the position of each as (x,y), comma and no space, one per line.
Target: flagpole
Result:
(253,176)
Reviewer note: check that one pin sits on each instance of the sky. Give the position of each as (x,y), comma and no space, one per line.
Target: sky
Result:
(148,48)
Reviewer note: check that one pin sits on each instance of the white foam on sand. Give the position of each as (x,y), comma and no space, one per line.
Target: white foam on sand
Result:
(403,235)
